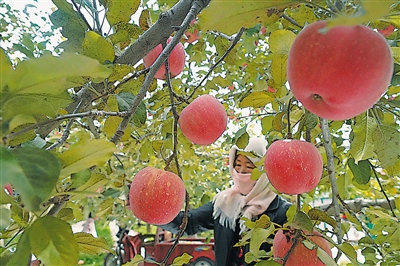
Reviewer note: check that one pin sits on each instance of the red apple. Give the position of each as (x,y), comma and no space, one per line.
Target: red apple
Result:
(340,73)
(156,196)
(204,120)
(293,166)
(176,60)
(300,254)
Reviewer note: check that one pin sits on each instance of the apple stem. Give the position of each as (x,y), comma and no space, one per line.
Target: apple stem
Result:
(332,178)
(298,202)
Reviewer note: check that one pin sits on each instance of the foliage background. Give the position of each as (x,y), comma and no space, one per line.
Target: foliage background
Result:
(63,99)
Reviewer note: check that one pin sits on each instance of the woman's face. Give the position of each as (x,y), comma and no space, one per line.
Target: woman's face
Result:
(243,165)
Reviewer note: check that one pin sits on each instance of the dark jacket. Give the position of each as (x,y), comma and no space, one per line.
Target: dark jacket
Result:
(201,219)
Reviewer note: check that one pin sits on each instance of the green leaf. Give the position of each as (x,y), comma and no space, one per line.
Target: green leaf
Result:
(361,171)
(53,242)
(91,245)
(83,155)
(32,172)
(66,214)
(222,45)
(5,69)
(182,260)
(135,261)
(80,178)
(325,258)
(95,46)
(387,145)
(302,221)
(105,208)
(266,124)
(241,138)
(5,217)
(121,11)
(321,216)
(349,251)
(362,147)
(47,74)
(27,105)
(235,14)
(259,236)
(22,255)
(125,100)
(257,99)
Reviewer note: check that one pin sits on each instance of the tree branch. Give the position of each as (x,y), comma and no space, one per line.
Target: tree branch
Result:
(60,118)
(234,42)
(357,205)
(332,178)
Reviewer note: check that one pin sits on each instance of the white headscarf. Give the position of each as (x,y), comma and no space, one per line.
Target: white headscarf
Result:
(231,204)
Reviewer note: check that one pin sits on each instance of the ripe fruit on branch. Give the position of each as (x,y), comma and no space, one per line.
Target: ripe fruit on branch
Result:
(293,166)
(156,196)
(176,60)
(340,73)
(204,120)
(284,241)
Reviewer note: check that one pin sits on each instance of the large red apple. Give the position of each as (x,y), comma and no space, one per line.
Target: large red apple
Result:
(300,254)
(204,120)
(340,73)
(293,166)
(176,60)
(156,196)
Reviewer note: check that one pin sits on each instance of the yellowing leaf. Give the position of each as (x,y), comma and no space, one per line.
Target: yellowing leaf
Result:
(95,46)
(121,11)
(387,145)
(369,11)
(278,69)
(396,54)
(21,119)
(91,245)
(5,69)
(319,215)
(280,41)
(46,70)
(229,16)
(85,155)
(119,72)
(256,99)
(52,241)
(181,260)
(111,125)
(145,20)
(125,32)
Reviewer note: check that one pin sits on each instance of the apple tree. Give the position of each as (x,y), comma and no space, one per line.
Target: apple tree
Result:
(81,115)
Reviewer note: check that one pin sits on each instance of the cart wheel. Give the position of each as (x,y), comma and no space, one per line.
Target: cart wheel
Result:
(203,261)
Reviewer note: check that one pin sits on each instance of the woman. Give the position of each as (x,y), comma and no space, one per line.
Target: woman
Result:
(246,198)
